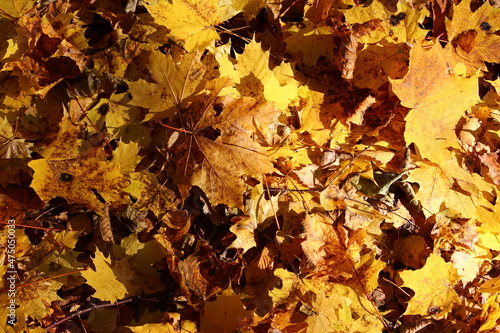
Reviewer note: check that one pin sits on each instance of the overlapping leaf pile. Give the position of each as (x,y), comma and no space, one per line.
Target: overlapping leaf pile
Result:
(323,166)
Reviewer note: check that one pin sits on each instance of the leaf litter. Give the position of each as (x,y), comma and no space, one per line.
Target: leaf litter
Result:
(287,167)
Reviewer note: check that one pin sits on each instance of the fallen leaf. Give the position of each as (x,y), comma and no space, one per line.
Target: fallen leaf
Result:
(224,315)
(173,84)
(208,160)
(193,23)
(110,279)
(434,109)
(80,181)
(433,287)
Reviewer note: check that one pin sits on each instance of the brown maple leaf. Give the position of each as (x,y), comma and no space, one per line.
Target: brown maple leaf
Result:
(219,150)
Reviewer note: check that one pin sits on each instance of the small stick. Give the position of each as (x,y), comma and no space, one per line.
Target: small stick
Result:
(395,285)
(270,201)
(65,319)
(173,128)
(86,116)
(53,277)
(348,165)
(32,227)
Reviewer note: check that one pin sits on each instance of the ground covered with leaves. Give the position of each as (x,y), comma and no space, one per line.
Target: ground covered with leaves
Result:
(250,166)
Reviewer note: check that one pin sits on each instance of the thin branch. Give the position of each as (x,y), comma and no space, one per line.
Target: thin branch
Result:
(78,313)
(88,118)
(32,227)
(53,277)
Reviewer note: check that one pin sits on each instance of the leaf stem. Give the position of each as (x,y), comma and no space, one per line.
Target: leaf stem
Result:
(174,128)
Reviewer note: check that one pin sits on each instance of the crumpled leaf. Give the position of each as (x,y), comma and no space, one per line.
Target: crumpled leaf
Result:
(324,246)
(258,210)
(492,162)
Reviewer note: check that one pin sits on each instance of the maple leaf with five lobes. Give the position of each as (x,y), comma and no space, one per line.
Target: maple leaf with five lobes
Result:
(433,286)
(219,148)
(174,84)
(251,71)
(438,98)
(112,280)
(192,22)
(447,186)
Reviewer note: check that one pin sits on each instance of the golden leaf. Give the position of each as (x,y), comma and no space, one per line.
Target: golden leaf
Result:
(433,287)
(432,90)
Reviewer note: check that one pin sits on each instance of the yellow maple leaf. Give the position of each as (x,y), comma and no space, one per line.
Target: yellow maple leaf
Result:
(192,23)
(311,41)
(467,265)
(252,73)
(433,287)
(37,297)
(463,19)
(392,29)
(321,128)
(447,186)
(330,307)
(187,326)
(126,155)
(78,181)
(225,314)
(376,63)
(489,234)
(432,90)
(338,308)
(490,314)
(15,9)
(174,83)
(111,280)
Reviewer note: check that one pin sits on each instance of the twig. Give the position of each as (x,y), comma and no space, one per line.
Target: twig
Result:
(78,313)
(271,202)
(348,165)
(32,227)
(53,277)
(88,118)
